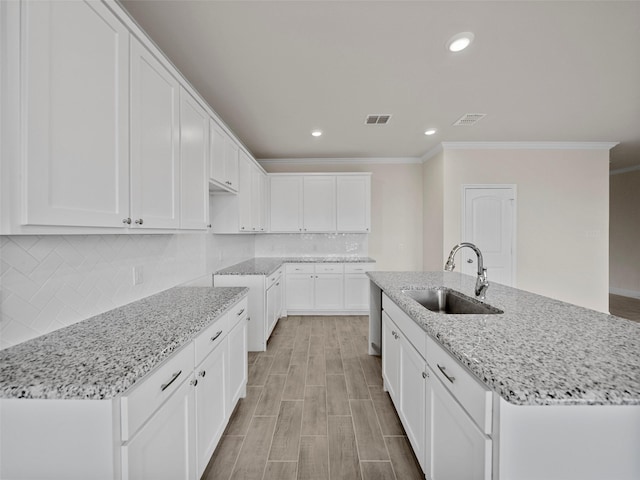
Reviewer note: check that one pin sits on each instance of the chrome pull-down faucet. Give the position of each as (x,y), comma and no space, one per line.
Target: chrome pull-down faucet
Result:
(481,282)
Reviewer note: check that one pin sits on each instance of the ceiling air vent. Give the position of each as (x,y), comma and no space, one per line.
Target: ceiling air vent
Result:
(377,119)
(469,119)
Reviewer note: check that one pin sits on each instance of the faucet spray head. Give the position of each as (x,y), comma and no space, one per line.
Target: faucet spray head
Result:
(449,266)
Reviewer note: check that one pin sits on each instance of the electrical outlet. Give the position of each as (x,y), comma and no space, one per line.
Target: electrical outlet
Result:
(138,276)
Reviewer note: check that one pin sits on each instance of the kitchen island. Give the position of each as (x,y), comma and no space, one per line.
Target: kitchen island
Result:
(562,382)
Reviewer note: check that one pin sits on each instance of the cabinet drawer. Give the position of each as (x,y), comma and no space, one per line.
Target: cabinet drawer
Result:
(273,278)
(329,268)
(410,329)
(474,397)
(300,268)
(211,337)
(238,312)
(156,387)
(359,267)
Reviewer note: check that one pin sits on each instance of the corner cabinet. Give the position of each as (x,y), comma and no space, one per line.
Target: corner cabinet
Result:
(223,158)
(314,203)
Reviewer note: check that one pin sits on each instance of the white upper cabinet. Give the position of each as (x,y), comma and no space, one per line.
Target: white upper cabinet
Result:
(223,159)
(353,203)
(155,142)
(258,210)
(286,203)
(246,184)
(319,204)
(75,61)
(194,154)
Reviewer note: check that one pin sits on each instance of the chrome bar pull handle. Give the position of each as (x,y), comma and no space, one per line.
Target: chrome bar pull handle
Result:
(448,377)
(175,376)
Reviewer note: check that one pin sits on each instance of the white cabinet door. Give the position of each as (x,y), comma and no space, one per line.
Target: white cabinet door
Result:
(217,145)
(244,193)
(211,398)
(353,203)
(455,446)
(238,364)
(272,294)
(412,411)
(300,290)
(194,156)
(391,357)
(319,204)
(279,298)
(231,155)
(258,221)
(155,142)
(356,291)
(76,115)
(164,448)
(329,291)
(285,203)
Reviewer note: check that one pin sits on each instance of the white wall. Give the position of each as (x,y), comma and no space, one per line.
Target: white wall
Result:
(395,241)
(433,216)
(562,216)
(624,234)
(51,281)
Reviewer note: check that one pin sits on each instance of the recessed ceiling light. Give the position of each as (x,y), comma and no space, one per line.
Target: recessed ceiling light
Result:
(460,41)
(430,131)
(316,133)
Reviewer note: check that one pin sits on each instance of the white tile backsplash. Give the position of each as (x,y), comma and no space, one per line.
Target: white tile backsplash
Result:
(50,281)
(311,244)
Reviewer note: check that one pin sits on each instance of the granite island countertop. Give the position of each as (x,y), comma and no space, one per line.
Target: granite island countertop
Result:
(101,357)
(540,351)
(268,265)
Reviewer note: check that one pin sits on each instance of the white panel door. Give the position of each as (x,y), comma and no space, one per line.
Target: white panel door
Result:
(258,220)
(231,155)
(211,398)
(353,203)
(356,291)
(155,142)
(489,222)
(217,145)
(455,447)
(412,409)
(329,291)
(319,204)
(245,192)
(76,98)
(194,163)
(300,290)
(164,448)
(391,357)
(285,203)
(238,363)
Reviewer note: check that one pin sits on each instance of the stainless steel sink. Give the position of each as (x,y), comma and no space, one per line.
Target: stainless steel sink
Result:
(445,300)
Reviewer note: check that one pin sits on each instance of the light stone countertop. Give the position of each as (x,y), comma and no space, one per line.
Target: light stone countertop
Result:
(539,352)
(101,357)
(268,265)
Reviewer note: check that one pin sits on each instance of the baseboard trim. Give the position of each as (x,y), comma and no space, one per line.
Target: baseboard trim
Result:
(624,293)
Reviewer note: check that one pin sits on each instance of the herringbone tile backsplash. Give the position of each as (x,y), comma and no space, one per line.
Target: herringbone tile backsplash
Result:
(51,281)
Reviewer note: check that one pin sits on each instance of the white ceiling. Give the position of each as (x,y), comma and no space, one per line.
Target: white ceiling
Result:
(541,71)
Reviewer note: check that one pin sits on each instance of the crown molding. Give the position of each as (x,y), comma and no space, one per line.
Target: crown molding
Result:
(528,145)
(431,153)
(339,161)
(624,170)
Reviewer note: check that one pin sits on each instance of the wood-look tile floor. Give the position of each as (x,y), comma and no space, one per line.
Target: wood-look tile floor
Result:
(315,409)
(625,307)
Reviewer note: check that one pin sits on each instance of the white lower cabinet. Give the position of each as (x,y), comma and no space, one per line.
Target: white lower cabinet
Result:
(328,294)
(211,403)
(445,425)
(238,363)
(455,446)
(391,357)
(165,447)
(274,303)
(412,409)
